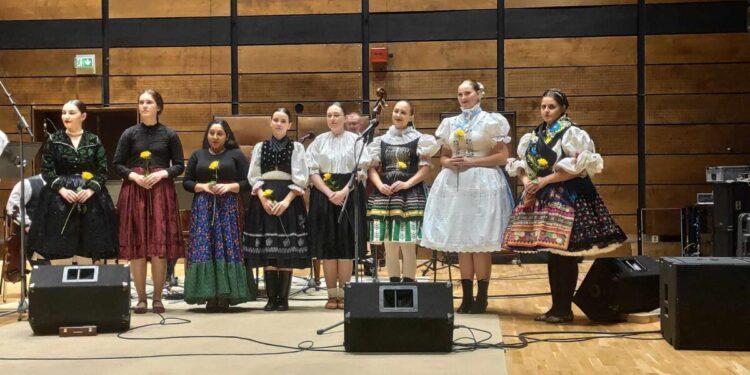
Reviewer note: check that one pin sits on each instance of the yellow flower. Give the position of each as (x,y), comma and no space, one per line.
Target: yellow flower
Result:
(460,133)
(327,176)
(214,165)
(543,162)
(267,193)
(87,175)
(402,165)
(146,154)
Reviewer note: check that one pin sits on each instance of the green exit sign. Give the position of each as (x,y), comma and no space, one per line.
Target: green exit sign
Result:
(85,64)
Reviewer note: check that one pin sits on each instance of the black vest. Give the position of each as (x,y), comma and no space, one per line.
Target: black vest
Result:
(37,184)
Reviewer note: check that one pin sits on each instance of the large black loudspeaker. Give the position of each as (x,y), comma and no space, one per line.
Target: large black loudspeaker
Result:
(398,317)
(67,296)
(705,303)
(730,199)
(617,286)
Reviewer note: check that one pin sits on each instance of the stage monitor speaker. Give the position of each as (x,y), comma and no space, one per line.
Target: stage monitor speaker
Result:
(398,317)
(705,303)
(615,286)
(67,296)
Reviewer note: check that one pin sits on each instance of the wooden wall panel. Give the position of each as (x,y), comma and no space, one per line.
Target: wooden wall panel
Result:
(287,7)
(674,196)
(697,109)
(164,9)
(575,81)
(593,51)
(382,6)
(55,90)
(686,169)
(191,141)
(698,48)
(618,170)
(44,63)
(310,108)
(698,78)
(310,58)
(170,60)
(622,199)
(462,54)
(301,87)
(49,9)
(594,110)
(698,139)
(609,140)
(440,84)
(174,89)
(685,1)
(628,223)
(8,119)
(192,117)
(563,3)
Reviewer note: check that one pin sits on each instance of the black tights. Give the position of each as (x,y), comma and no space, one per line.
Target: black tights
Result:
(563,275)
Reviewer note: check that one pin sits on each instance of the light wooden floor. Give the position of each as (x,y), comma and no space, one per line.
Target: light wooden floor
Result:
(601,356)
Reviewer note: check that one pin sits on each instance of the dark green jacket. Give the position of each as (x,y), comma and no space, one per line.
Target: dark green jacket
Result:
(61,158)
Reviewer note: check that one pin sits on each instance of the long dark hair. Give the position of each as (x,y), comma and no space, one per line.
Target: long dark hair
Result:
(231,141)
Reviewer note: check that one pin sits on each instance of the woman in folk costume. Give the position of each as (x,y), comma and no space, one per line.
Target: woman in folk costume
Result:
(470,201)
(217,175)
(148,158)
(276,230)
(75,215)
(331,158)
(560,211)
(401,161)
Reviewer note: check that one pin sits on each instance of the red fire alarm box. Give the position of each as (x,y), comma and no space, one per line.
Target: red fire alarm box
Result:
(379,55)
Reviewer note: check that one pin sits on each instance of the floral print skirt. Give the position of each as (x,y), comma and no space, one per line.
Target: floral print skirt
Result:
(214,256)
(567,218)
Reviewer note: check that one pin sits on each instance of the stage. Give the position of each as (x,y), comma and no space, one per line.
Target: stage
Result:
(509,314)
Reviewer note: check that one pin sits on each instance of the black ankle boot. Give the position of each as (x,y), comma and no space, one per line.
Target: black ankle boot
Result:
(272,289)
(285,283)
(407,280)
(480,303)
(394,279)
(467,288)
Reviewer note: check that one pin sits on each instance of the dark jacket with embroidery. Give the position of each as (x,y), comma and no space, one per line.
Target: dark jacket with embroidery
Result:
(61,158)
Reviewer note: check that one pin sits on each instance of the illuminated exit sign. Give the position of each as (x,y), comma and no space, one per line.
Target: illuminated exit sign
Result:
(85,64)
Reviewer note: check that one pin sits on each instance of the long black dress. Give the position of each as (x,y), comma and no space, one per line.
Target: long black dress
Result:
(62,230)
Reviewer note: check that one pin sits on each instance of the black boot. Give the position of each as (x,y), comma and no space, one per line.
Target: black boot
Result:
(285,283)
(480,303)
(394,279)
(407,280)
(467,287)
(568,276)
(272,289)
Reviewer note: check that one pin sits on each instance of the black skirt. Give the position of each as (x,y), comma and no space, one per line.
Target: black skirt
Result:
(63,230)
(330,239)
(277,241)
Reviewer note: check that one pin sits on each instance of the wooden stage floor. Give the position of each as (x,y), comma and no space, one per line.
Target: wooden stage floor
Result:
(598,356)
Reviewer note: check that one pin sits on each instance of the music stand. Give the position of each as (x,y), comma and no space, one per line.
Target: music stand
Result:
(10,160)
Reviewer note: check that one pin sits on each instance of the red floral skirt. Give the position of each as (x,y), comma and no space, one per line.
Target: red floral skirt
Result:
(149,221)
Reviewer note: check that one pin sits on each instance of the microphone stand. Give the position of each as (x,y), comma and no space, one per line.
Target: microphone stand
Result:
(354,184)
(23,304)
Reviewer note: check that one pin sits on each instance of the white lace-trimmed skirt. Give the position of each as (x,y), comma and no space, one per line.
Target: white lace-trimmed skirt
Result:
(468,211)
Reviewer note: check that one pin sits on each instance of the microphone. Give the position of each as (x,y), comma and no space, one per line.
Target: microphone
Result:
(309,135)
(299,107)
(44,123)
(367,133)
